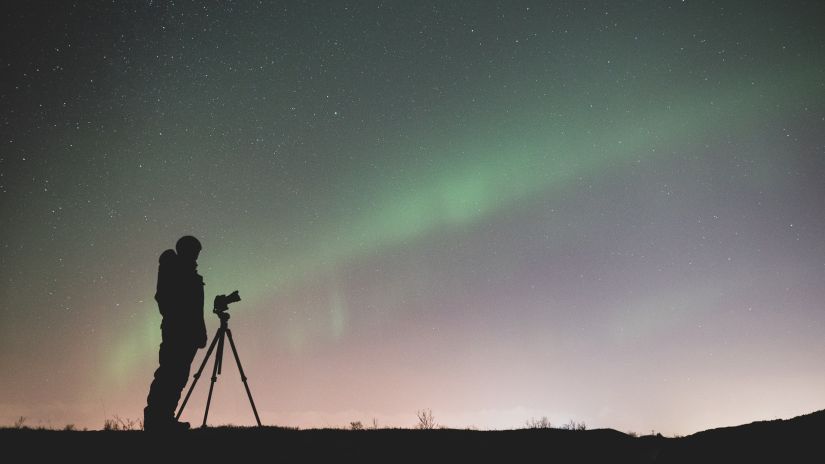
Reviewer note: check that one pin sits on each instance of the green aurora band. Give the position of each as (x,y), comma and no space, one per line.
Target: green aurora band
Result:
(540,156)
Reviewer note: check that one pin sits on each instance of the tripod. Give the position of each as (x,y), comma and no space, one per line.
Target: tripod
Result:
(218,340)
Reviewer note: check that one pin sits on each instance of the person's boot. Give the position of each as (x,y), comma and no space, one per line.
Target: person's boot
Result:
(150,421)
(175,425)
(153,422)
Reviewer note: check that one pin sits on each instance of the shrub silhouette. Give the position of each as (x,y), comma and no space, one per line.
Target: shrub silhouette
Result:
(118,424)
(426,421)
(20,423)
(573,425)
(543,423)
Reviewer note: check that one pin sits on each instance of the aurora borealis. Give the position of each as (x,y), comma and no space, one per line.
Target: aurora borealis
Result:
(609,212)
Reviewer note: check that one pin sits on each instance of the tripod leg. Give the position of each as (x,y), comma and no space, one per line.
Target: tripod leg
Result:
(243,376)
(197,375)
(218,356)
(219,359)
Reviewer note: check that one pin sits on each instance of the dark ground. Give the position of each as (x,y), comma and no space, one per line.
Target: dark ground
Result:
(795,440)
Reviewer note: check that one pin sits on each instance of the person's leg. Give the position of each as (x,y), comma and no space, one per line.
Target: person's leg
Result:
(157,410)
(170,379)
(183,364)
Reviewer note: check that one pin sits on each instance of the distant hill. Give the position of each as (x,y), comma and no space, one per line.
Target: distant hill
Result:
(800,439)
(778,441)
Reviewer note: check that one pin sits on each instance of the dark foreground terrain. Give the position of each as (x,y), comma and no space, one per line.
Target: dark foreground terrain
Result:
(800,439)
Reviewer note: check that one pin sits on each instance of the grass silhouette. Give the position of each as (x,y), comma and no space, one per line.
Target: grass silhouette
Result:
(789,440)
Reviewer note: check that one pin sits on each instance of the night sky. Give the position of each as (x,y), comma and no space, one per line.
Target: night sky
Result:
(610,212)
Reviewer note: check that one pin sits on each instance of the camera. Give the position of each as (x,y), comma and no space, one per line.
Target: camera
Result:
(222,302)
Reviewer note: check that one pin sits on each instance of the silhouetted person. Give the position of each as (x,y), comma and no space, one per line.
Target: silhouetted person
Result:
(180,301)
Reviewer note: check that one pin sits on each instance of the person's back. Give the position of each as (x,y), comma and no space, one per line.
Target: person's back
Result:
(167,272)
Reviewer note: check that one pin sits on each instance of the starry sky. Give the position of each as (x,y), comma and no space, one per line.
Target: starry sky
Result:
(609,212)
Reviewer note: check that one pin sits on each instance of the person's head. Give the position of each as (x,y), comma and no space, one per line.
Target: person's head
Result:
(188,247)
